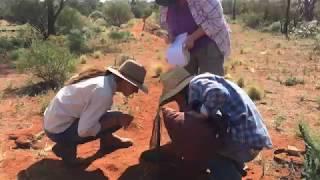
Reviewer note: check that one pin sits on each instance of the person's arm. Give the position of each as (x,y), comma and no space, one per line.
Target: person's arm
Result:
(210,93)
(192,38)
(115,118)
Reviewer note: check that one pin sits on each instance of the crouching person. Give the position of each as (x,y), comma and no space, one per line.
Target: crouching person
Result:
(218,126)
(79,112)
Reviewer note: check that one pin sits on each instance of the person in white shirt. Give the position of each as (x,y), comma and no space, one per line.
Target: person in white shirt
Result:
(79,111)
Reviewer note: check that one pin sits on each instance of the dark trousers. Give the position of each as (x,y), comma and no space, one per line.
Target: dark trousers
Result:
(71,137)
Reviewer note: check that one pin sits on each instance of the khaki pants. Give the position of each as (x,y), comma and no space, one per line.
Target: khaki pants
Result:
(206,59)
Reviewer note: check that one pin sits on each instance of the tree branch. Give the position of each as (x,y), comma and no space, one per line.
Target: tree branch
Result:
(61,5)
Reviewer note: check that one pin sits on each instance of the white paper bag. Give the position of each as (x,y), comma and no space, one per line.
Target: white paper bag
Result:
(177,55)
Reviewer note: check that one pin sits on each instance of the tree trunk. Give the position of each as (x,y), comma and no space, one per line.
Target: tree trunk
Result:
(309,6)
(144,23)
(234,9)
(52,16)
(286,30)
(51,19)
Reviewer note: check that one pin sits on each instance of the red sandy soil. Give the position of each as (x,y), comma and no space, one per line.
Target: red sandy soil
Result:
(264,60)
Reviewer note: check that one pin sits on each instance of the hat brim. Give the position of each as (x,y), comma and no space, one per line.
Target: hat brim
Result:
(165,98)
(142,87)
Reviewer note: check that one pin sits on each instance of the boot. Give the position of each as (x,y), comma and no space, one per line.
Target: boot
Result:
(68,153)
(110,142)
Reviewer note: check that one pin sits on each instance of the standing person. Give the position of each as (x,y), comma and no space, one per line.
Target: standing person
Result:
(79,112)
(208,32)
(216,115)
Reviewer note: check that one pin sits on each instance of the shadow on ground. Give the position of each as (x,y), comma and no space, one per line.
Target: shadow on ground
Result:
(50,169)
(159,166)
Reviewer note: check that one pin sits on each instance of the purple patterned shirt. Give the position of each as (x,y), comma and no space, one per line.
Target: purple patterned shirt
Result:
(209,15)
(180,20)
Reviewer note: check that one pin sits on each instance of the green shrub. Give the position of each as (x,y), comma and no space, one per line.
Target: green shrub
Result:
(278,122)
(158,70)
(240,82)
(120,35)
(77,42)
(255,93)
(83,59)
(252,20)
(69,19)
(318,102)
(273,27)
(61,41)
(292,81)
(27,34)
(121,59)
(97,54)
(317,44)
(141,9)
(6,44)
(16,54)
(312,155)
(100,22)
(117,12)
(47,61)
(44,103)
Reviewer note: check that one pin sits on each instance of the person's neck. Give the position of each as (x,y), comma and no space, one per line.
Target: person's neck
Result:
(118,82)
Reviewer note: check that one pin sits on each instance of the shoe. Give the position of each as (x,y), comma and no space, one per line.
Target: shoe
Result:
(67,153)
(111,142)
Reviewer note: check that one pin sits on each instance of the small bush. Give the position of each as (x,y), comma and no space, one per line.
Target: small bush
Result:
(252,20)
(317,44)
(255,93)
(292,81)
(158,70)
(141,9)
(83,59)
(312,156)
(6,44)
(278,121)
(274,27)
(318,102)
(120,35)
(61,41)
(47,61)
(15,54)
(240,82)
(44,103)
(121,59)
(117,12)
(77,42)
(100,22)
(97,54)
(69,19)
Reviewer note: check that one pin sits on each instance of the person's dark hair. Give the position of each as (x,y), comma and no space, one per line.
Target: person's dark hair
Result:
(87,74)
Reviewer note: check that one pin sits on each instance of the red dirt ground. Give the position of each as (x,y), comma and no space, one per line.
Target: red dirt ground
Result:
(264,60)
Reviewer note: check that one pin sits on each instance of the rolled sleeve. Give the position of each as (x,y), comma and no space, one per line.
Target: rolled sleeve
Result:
(211,95)
(89,123)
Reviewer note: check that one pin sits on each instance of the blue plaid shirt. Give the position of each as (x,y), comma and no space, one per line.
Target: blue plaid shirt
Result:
(218,94)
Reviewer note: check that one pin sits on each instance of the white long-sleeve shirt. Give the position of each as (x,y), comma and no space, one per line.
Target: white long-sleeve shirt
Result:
(87,101)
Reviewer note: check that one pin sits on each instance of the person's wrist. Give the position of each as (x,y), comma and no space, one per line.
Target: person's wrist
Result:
(192,37)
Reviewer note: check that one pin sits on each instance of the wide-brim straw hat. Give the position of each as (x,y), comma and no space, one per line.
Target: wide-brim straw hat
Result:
(174,82)
(132,72)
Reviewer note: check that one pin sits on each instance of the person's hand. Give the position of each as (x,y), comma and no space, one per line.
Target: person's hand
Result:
(170,39)
(189,43)
(125,120)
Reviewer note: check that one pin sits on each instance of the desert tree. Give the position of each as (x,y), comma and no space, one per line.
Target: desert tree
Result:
(41,14)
